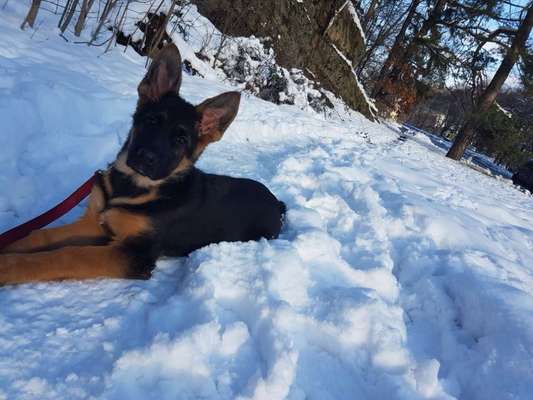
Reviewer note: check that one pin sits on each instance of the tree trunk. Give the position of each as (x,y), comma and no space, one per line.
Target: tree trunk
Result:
(399,58)
(85,8)
(69,16)
(64,13)
(153,47)
(382,34)
(467,132)
(109,5)
(32,14)
(370,13)
(396,48)
(429,24)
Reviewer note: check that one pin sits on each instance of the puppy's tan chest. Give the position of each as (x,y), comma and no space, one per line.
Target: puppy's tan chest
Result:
(122,224)
(118,222)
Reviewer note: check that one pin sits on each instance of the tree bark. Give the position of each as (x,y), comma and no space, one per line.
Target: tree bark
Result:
(370,13)
(396,48)
(85,8)
(429,24)
(388,26)
(32,14)
(69,16)
(399,58)
(109,5)
(468,130)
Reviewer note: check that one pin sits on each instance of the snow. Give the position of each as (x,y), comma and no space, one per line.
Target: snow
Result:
(478,161)
(399,274)
(355,18)
(507,113)
(368,100)
(353,14)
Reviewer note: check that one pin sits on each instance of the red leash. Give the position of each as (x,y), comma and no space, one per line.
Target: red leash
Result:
(49,216)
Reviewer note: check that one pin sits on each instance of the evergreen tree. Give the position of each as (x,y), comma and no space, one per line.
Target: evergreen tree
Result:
(468,130)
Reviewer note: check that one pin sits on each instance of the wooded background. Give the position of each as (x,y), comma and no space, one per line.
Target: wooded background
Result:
(460,68)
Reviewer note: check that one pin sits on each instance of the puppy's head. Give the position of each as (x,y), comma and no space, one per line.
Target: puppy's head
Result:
(168,133)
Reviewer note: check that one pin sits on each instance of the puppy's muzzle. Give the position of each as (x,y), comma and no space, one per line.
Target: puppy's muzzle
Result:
(143,161)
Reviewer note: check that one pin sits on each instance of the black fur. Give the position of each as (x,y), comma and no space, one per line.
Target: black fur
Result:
(163,133)
(123,185)
(191,208)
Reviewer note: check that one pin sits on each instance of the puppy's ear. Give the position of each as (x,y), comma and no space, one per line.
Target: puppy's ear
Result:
(216,114)
(163,76)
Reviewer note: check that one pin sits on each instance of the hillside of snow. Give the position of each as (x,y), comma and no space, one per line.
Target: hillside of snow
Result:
(399,274)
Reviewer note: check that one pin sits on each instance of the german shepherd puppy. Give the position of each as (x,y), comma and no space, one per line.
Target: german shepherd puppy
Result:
(152,201)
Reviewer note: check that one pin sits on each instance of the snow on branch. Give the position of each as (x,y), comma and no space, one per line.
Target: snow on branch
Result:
(368,100)
(353,13)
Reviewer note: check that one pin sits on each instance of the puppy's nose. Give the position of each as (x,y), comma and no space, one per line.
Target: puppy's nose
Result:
(148,157)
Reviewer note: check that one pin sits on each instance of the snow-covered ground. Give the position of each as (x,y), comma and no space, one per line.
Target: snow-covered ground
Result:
(399,274)
(476,160)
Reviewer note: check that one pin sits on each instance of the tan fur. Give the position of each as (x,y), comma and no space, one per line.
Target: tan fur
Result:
(143,198)
(124,224)
(75,262)
(86,227)
(203,142)
(144,181)
(107,184)
(140,180)
(31,259)
(96,200)
(216,113)
(183,166)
